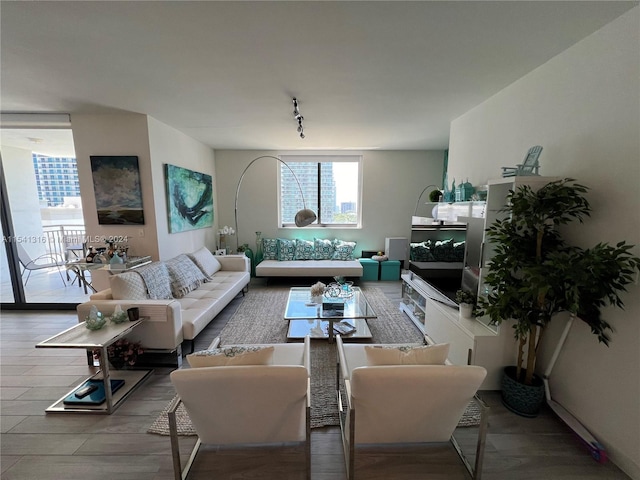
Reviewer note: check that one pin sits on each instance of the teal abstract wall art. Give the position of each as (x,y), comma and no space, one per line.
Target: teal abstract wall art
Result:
(116,184)
(189,199)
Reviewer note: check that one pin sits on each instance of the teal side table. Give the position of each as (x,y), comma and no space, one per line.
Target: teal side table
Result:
(390,270)
(370,269)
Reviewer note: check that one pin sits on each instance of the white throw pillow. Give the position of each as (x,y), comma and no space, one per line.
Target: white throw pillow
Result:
(128,286)
(407,354)
(233,355)
(206,261)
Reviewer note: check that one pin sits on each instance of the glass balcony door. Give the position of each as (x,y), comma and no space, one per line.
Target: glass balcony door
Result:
(43,224)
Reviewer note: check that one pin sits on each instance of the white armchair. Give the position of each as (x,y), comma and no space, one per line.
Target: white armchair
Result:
(385,403)
(240,403)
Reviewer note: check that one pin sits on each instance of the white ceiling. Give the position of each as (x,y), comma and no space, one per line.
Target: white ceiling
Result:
(367,74)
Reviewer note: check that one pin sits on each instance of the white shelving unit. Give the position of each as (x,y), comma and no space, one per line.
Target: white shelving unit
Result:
(472,341)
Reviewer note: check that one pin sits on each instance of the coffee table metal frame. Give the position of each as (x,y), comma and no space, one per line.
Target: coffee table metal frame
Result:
(79,336)
(307,317)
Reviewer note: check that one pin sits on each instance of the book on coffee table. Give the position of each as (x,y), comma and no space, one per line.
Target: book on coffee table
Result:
(343,328)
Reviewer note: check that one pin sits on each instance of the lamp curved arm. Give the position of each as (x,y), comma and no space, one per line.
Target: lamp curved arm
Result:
(420,196)
(303,218)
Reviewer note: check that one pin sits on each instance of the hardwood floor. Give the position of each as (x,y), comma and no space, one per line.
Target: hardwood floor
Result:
(35,445)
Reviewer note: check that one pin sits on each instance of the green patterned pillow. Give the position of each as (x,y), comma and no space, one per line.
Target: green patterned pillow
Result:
(270,249)
(343,250)
(443,251)
(304,249)
(323,249)
(286,249)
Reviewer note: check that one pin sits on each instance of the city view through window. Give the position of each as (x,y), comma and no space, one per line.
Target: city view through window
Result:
(331,189)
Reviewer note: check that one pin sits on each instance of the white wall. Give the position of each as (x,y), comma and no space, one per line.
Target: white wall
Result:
(583,107)
(392,182)
(170,146)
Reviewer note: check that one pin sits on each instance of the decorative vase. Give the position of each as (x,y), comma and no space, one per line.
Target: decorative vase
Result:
(524,400)
(466,310)
(259,253)
(249,253)
(115,259)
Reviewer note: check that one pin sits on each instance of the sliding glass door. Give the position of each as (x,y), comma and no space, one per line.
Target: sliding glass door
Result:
(43,224)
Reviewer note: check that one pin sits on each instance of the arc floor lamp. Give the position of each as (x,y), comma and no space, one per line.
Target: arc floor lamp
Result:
(415,211)
(303,218)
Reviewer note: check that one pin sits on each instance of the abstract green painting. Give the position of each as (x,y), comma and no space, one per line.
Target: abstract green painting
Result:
(189,199)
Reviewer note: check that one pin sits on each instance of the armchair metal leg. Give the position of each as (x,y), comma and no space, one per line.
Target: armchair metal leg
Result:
(476,471)
(178,473)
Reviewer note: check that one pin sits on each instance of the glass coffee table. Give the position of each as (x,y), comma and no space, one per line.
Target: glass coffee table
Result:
(316,317)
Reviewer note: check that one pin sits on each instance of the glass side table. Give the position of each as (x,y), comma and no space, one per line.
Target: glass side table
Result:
(102,381)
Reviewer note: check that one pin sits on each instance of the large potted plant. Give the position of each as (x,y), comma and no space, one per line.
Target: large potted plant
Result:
(534,275)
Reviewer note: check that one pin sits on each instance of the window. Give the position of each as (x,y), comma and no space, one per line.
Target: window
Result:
(331,186)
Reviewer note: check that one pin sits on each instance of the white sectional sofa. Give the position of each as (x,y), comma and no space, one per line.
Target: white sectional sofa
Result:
(308,258)
(179,296)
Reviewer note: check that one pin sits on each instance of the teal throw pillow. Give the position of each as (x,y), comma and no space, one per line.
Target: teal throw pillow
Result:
(286,249)
(323,249)
(269,249)
(343,250)
(304,249)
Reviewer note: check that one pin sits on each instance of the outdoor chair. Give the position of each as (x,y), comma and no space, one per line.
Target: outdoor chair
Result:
(41,262)
(254,395)
(528,167)
(404,396)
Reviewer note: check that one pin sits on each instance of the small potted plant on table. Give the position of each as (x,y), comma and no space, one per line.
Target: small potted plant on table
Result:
(467,302)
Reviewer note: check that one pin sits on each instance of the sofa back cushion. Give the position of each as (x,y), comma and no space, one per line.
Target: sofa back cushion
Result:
(184,274)
(206,262)
(343,250)
(407,355)
(231,356)
(270,248)
(128,286)
(156,279)
(323,249)
(304,249)
(286,249)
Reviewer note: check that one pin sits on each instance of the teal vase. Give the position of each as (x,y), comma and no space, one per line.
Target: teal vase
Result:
(259,253)
(249,253)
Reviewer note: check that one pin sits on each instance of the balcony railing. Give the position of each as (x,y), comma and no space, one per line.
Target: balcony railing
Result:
(66,241)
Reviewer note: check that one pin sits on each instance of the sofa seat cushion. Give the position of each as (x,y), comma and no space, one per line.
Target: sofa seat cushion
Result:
(309,268)
(200,306)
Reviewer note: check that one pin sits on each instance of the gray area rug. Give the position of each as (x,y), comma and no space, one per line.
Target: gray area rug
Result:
(259,319)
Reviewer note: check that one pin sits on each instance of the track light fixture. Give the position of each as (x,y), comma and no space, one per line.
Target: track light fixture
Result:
(299,118)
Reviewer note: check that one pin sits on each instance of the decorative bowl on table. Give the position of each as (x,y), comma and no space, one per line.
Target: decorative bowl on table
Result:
(95,323)
(95,320)
(118,316)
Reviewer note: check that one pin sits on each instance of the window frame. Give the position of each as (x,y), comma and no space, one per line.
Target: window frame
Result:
(319,158)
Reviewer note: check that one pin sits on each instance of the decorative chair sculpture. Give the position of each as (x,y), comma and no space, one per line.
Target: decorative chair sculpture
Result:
(528,167)
(257,394)
(41,262)
(390,394)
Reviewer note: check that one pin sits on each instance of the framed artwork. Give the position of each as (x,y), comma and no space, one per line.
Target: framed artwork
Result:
(116,183)
(189,199)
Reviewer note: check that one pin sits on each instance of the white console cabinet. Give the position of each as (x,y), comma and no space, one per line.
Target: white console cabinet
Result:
(471,342)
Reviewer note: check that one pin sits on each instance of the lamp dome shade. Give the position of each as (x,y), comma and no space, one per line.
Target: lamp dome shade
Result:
(305,217)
